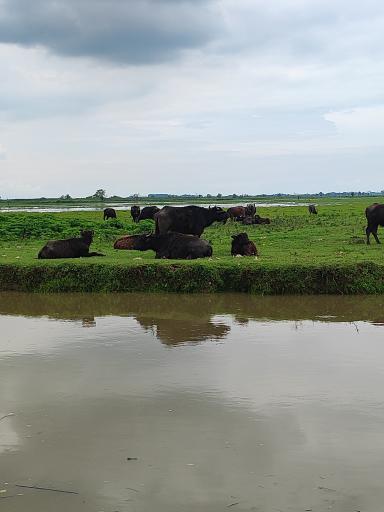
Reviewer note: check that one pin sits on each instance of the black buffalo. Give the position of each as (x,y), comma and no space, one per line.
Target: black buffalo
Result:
(375,218)
(255,220)
(190,220)
(69,248)
(148,212)
(250,210)
(243,246)
(135,212)
(312,209)
(109,213)
(174,246)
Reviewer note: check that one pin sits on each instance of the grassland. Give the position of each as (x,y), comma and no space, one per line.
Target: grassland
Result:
(299,253)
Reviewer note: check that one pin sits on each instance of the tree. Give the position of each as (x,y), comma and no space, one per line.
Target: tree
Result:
(219,196)
(100,194)
(66,196)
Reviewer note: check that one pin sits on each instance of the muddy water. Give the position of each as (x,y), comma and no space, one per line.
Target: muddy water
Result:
(191,403)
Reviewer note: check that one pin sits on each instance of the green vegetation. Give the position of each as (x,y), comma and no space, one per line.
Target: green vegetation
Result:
(299,253)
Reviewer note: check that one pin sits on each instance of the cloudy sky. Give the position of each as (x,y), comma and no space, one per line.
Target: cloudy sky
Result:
(191,96)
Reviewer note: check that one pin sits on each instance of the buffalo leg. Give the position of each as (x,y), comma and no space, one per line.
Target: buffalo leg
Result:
(368,232)
(373,230)
(374,233)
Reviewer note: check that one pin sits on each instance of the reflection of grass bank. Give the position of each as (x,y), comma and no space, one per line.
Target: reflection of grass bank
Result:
(299,254)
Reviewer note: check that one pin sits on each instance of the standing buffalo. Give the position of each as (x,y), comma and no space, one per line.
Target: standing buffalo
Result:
(375,218)
(250,210)
(135,212)
(243,246)
(148,212)
(236,212)
(174,246)
(190,220)
(109,213)
(312,209)
(70,248)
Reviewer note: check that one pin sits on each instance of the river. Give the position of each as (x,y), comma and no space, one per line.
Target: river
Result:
(203,403)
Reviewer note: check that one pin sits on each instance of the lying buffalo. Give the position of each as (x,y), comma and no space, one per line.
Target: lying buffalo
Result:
(70,248)
(135,212)
(126,242)
(312,209)
(243,246)
(190,220)
(247,221)
(109,213)
(174,246)
(148,212)
(375,218)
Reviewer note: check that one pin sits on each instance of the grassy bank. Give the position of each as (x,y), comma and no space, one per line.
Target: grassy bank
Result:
(299,254)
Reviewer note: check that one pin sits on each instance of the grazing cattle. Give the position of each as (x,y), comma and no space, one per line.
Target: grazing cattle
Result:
(135,212)
(312,209)
(243,246)
(109,213)
(174,246)
(236,212)
(70,248)
(148,212)
(126,242)
(375,218)
(190,220)
(256,220)
(250,210)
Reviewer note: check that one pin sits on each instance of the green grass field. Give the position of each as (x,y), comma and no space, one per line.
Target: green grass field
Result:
(294,242)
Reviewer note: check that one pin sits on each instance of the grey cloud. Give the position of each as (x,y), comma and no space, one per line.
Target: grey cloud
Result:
(122,31)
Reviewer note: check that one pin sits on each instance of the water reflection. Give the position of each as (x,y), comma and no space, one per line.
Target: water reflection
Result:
(195,318)
(173,331)
(286,414)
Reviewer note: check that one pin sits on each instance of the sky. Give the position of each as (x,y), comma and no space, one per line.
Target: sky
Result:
(190,96)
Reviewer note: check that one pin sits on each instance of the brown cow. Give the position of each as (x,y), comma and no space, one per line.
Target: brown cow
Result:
(236,212)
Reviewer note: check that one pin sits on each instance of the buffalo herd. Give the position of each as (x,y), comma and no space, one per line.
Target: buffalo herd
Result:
(178,230)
